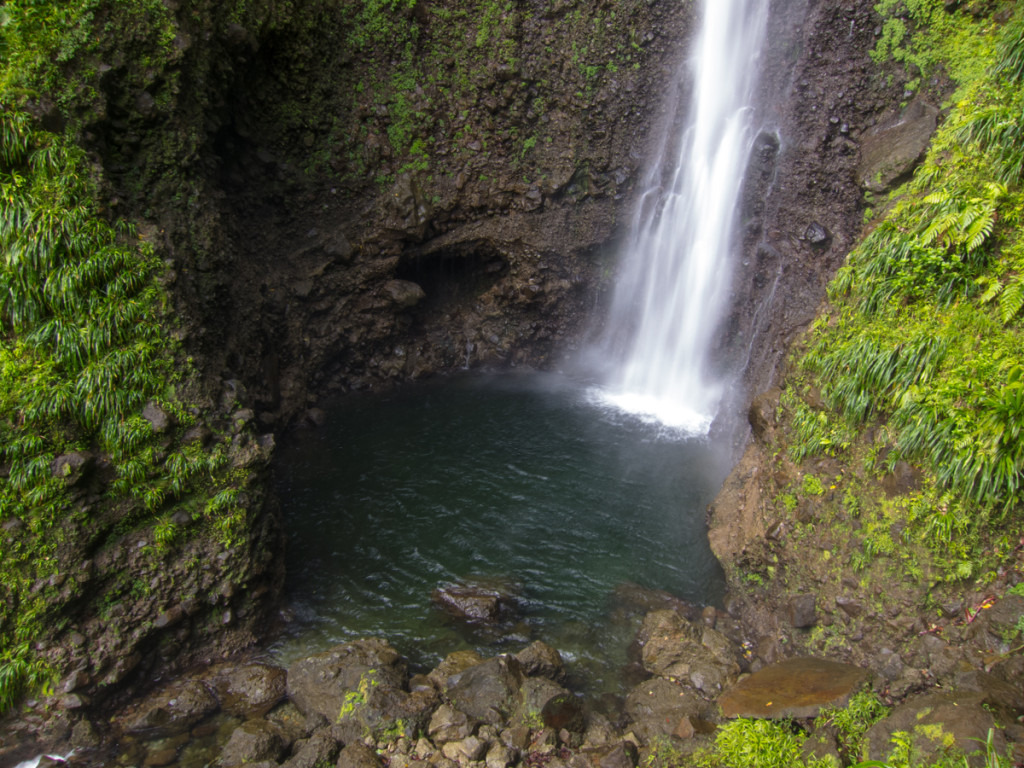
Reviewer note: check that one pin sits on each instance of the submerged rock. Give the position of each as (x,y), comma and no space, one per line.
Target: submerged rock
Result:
(793,688)
(476,602)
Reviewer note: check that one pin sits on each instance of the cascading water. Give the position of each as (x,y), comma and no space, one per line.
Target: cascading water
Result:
(676,269)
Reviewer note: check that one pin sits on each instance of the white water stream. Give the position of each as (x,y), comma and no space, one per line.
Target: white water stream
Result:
(675,274)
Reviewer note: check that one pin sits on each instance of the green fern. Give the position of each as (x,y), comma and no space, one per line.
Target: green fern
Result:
(1011,299)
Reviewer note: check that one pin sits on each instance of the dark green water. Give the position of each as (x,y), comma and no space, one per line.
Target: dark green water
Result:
(517,479)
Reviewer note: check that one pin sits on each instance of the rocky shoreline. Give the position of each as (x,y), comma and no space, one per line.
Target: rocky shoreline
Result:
(358,705)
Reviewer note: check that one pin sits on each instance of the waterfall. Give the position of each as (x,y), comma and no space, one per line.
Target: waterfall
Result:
(675,271)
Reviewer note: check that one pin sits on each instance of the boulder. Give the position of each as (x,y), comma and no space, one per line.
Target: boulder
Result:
(248,690)
(657,706)
(892,149)
(404,293)
(360,687)
(73,468)
(793,688)
(672,647)
(489,691)
(801,611)
(157,417)
(937,724)
(544,701)
(622,754)
(173,710)
(252,742)
(449,724)
(451,668)
(357,755)
(540,659)
(320,749)
(334,680)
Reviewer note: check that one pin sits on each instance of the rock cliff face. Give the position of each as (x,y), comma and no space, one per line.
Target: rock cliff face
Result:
(821,96)
(388,197)
(377,197)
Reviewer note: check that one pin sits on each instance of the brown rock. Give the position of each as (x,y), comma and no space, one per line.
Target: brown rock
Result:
(248,690)
(793,688)
(173,710)
(655,707)
(801,611)
(935,722)
(472,602)
(893,148)
(540,659)
(358,755)
(404,293)
(251,742)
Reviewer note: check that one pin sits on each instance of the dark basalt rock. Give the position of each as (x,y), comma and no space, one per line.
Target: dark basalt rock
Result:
(692,653)
(490,691)
(540,659)
(801,611)
(248,690)
(173,710)
(252,742)
(325,683)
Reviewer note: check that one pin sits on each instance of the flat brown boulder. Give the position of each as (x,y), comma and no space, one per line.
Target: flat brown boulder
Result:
(793,688)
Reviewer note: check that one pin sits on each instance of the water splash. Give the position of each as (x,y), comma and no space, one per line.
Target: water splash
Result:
(676,269)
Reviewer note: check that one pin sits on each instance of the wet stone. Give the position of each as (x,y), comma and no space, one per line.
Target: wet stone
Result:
(249,689)
(793,688)
(540,659)
(173,710)
(476,603)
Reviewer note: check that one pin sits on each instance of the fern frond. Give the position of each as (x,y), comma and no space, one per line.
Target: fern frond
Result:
(1011,300)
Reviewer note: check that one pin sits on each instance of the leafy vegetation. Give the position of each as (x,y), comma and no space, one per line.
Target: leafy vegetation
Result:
(749,743)
(923,341)
(746,743)
(91,381)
